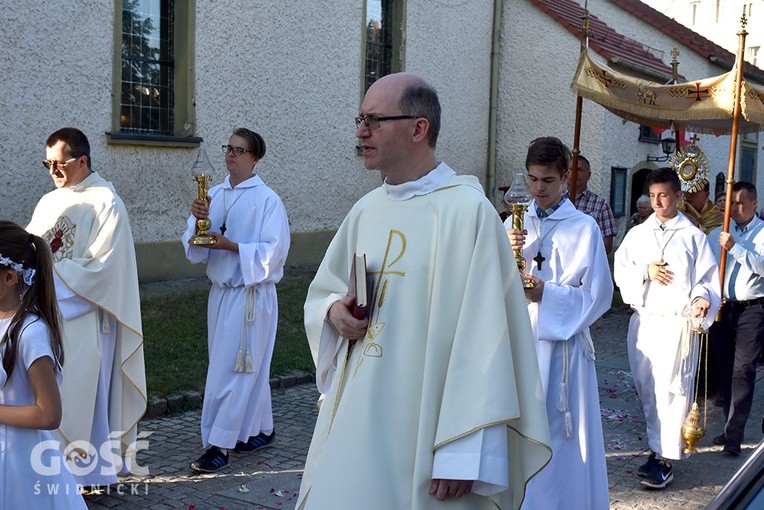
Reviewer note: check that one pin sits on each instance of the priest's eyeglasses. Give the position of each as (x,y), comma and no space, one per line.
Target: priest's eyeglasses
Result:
(237,151)
(52,163)
(372,121)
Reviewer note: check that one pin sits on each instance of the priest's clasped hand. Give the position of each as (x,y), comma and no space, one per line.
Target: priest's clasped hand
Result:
(341,317)
(659,272)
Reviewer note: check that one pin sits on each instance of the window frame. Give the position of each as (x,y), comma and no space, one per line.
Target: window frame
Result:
(184,84)
(397,57)
(618,178)
(648,135)
(397,54)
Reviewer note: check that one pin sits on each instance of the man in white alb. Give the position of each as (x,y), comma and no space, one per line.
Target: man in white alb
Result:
(667,273)
(250,225)
(567,261)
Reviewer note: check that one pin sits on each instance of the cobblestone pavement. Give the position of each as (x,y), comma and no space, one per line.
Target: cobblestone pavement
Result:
(270,478)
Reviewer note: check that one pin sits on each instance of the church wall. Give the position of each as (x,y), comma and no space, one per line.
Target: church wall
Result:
(450,43)
(293,74)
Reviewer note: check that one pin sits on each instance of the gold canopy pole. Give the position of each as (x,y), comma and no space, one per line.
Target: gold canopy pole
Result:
(675,79)
(733,142)
(579,107)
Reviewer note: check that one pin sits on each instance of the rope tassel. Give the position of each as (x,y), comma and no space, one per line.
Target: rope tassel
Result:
(243,358)
(563,404)
(562,398)
(568,424)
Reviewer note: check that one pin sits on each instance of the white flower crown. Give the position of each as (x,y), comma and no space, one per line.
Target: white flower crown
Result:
(26,273)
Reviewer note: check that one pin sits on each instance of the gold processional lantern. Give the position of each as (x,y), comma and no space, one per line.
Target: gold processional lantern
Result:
(201,172)
(517,198)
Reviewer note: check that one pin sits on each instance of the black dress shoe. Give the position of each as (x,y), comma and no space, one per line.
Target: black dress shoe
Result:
(731,450)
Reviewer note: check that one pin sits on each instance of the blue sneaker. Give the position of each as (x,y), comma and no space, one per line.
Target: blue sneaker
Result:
(645,469)
(659,477)
(255,442)
(213,460)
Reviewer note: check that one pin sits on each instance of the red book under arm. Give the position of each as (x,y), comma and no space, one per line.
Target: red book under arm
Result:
(358,286)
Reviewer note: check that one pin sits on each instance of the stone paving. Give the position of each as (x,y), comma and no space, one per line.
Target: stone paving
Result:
(270,478)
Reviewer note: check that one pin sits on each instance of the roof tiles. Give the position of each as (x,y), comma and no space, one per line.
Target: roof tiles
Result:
(603,39)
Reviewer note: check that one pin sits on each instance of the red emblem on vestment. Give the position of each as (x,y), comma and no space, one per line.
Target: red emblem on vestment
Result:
(56,242)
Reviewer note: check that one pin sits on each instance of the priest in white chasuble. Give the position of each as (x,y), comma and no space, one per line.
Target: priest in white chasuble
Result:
(433,400)
(104,382)
(567,262)
(667,273)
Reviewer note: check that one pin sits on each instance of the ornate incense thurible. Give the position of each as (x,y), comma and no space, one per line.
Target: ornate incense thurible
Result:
(692,431)
(201,170)
(517,198)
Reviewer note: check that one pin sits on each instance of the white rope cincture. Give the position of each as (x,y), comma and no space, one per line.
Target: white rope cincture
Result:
(105,322)
(562,400)
(244,358)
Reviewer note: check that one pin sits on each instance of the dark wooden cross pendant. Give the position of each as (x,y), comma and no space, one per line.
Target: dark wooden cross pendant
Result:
(539,259)
(223,229)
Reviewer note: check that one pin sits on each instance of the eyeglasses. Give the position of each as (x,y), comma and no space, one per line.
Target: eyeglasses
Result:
(48,163)
(372,121)
(237,151)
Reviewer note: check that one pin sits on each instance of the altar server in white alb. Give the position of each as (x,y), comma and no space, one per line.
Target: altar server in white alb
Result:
(435,401)
(567,262)
(667,273)
(104,381)
(250,225)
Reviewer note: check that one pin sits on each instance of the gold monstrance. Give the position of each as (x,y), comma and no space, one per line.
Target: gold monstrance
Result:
(517,198)
(201,172)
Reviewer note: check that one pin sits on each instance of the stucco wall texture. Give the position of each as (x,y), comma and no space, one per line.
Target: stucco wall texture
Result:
(292,74)
(292,71)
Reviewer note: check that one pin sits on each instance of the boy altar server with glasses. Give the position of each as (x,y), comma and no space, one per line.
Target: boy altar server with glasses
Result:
(250,225)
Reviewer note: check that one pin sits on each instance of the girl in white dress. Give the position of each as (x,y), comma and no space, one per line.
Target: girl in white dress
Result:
(33,473)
